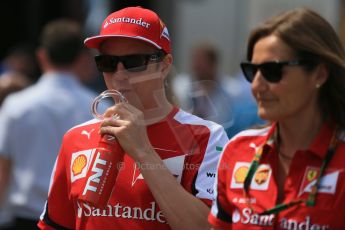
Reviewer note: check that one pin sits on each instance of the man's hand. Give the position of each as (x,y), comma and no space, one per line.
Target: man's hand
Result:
(5,171)
(127,124)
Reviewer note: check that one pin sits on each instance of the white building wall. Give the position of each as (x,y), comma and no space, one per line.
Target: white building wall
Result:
(227,24)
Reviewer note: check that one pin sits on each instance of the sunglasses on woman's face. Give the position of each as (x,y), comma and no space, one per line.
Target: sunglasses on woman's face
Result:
(132,63)
(271,71)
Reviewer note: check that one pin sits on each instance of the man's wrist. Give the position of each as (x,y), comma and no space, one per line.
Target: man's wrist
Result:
(143,155)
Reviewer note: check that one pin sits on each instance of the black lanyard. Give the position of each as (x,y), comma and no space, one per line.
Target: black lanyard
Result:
(312,195)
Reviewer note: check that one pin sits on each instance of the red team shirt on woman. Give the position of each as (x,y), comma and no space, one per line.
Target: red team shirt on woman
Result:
(189,146)
(231,206)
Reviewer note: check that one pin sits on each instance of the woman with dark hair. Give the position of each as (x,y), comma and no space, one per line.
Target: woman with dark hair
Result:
(290,175)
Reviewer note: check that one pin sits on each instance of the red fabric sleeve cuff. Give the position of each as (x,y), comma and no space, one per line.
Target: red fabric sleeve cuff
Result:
(217,223)
(41,225)
(207,202)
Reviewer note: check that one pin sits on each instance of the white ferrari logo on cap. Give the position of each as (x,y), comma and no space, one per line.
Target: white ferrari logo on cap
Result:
(165,33)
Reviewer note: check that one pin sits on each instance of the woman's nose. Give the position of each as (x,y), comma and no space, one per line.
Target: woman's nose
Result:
(259,83)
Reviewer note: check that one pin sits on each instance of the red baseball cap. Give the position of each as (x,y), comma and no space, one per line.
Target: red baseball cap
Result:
(136,23)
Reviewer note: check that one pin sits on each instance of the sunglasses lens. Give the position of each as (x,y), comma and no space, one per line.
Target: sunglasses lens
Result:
(132,63)
(135,63)
(106,63)
(272,72)
(249,71)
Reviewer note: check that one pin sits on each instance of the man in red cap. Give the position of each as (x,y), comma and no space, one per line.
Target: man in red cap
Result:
(167,176)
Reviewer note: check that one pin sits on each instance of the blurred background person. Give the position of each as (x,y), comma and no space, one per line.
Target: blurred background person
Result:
(18,70)
(11,82)
(290,174)
(212,95)
(21,59)
(33,121)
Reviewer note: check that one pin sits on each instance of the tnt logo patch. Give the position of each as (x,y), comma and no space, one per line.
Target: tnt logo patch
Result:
(80,163)
(328,183)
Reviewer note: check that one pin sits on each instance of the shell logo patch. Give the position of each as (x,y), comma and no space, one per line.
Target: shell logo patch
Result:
(261,178)
(80,162)
(241,174)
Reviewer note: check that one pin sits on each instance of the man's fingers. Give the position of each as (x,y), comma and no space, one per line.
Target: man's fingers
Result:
(114,122)
(118,109)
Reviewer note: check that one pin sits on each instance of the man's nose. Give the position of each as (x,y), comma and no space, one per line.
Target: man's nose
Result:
(120,73)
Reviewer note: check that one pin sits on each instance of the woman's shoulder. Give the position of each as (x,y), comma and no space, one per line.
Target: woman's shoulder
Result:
(257,132)
(247,141)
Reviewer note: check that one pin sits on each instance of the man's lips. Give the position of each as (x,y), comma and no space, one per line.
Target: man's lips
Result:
(123,90)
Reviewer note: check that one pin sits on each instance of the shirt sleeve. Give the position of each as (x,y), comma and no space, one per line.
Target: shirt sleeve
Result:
(220,215)
(6,121)
(202,167)
(58,212)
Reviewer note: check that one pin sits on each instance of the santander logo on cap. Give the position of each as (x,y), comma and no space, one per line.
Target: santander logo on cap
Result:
(139,22)
(133,22)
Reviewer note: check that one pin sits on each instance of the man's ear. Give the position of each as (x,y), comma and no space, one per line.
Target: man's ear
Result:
(40,54)
(167,64)
(42,59)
